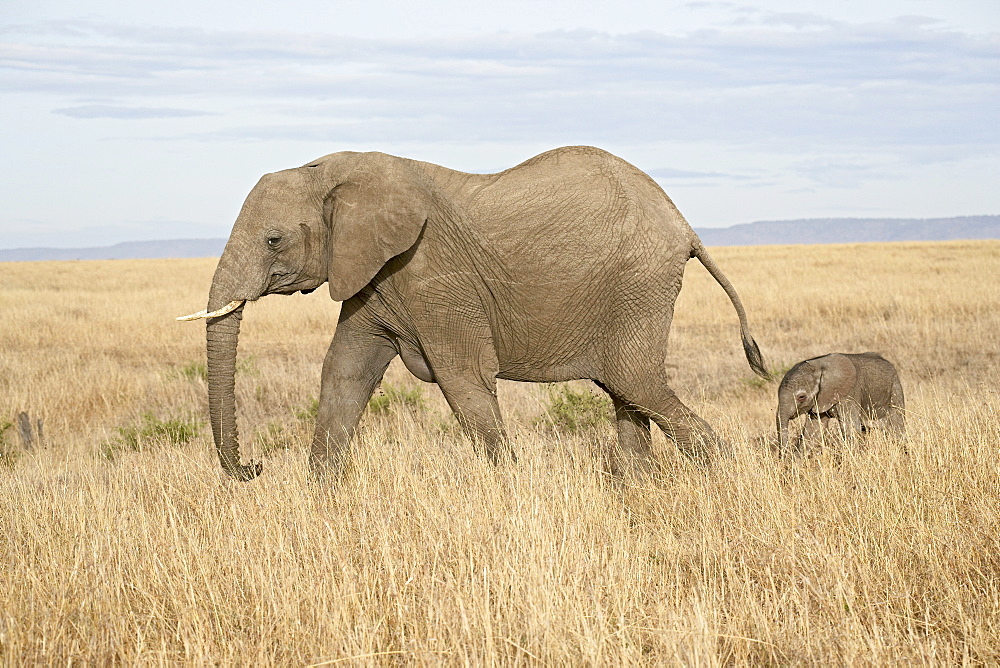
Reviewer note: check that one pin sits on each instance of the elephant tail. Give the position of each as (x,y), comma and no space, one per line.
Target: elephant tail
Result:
(754,356)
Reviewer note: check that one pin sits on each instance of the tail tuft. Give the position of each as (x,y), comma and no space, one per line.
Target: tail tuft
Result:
(755,358)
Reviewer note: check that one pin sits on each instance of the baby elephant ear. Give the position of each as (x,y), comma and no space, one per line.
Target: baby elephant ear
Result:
(838,378)
(376,213)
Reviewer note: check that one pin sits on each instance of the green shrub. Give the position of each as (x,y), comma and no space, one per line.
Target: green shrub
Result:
(198,369)
(273,438)
(194,370)
(309,411)
(151,431)
(390,397)
(572,410)
(777,373)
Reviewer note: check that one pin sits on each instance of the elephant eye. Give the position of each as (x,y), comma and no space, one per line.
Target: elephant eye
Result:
(273,240)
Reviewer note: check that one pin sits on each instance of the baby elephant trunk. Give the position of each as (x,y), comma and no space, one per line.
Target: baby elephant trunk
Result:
(788,410)
(782,421)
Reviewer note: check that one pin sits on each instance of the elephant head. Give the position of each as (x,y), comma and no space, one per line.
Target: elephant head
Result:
(813,386)
(337,220)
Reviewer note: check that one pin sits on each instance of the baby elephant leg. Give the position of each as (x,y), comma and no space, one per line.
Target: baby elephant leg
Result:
(897,407)
(812,431)
(849,419)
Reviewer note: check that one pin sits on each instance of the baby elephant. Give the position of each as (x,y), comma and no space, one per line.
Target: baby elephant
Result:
(856,389)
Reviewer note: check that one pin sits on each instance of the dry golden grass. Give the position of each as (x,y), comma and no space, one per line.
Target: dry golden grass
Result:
(423,554)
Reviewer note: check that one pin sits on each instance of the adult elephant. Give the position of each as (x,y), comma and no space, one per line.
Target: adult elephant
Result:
(566,266)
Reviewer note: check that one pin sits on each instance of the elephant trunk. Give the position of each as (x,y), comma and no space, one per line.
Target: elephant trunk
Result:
(222,336)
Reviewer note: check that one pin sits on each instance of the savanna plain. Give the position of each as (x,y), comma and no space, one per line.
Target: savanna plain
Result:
(121,541)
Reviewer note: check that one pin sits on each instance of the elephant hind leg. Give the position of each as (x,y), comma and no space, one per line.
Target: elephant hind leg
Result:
(655,399)
(634,444)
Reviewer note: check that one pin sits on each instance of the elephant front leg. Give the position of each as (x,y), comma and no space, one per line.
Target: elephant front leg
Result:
(814,431)
(848,416)
(354,366)
(475,404)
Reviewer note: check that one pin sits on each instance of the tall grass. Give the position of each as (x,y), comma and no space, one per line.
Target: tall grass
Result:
(424,554)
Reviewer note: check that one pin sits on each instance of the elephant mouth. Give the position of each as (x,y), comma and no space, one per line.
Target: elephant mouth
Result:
(289,284)
(284,290)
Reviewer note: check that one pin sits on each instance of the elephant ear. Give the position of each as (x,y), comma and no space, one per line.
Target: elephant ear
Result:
(376,212)
(837,379)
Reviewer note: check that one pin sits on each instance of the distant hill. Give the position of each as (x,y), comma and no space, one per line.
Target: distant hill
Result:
(764,232)
(129,250)
(851,230)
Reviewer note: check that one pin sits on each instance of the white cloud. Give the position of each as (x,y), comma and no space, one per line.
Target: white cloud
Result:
(888,83)
(776,101)
(112,111)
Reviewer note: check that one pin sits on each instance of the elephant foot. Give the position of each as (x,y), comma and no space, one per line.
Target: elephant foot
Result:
(326,468)
(632,471)
(499,454)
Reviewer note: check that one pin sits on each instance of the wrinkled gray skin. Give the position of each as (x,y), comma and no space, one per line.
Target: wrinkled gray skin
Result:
(564,267)
(858,390)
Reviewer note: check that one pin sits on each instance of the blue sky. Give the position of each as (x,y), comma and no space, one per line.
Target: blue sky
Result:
(153,121)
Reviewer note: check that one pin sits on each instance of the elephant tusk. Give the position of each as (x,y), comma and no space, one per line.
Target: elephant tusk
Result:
(228,308)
